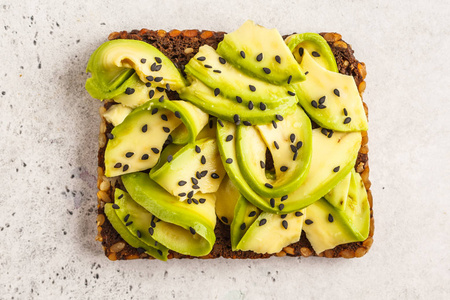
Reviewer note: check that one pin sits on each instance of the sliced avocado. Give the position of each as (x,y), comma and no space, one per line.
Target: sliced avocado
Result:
(290,145)
(338,195)
(196,167)
(233,111)
(331,99)
(209,131)
(187,228)
(230,82)
(226,198)
(198,119)
(314,44)
(245,214)
(117,113)
(262,53)
(132,221)
(114,62)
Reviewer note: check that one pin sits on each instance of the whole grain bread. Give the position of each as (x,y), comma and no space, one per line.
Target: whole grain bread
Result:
(180,47)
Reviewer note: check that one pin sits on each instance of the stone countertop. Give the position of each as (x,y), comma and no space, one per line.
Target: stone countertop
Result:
(49,127)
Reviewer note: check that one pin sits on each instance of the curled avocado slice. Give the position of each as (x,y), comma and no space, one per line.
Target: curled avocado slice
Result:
(186,133)
(117,113)
(226,198)
(339,194)
(314,44)
(185,228)
(132,221)
(290,145)
(196,167)
(262,53)
(113,64)
(245,214)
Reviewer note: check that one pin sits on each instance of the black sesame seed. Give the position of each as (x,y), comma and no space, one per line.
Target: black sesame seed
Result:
(143,60)
(194,180)
(278,59)
(308,222)
(211,123)
(153,67)
(330,218)
(149,78)
(284,197)
(292,137)
(148,84)
(274,124)
(283,216)
(262,106)
(167,86)
(151,230)
(283,169)
(156,243)
(158,67)
(247,123)
(291,93)
(160,252)
(203,160)
(215,176)
(243,226)
(294,149)
(330,134)
(129,154)
(262,222)
(279,117)
(242,54)
(272,202)
(120,197)
(158,79)
(195,201)
(208,66)
(144,128)
(181,194)
(125,168)
(238,99)
(281,206)
(161,99)
(307,72)
(154,111)
(217,71)
(315,54)
(118,165)
(300,51)
(268,185)
(262,164)
(115,206)
(285,224)
(222,60)
(129,91)
(324,131)
(201,58)
(110,136)
(181,182)
(216,92)
(189,201)
(335,170)
(224,219)
(166,129)
(295,156)
(229,138)
(336,92)
(229,160)
(203,173)
(177,114)
(259,57)
(155,150)
(190,194)
(321,106)
(158,60)
(347,120)
(164,117)
(237,119)
(197,149)
(126,218)
(298,214)
(129,223)
(252,88)
(144,157)
(202,200)
(160,89)
(322,100)
(197,174)
(138,233)
(289,79)
(250,105)
(345,112)
(266,70)
(314,103)
(276,145)
(252,214)
(169,158)
(192,230)
(299,144)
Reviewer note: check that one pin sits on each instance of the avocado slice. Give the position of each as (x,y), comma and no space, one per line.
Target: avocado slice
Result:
(290,145)
(233,111)
(314,44)
(226,199)
(262,53)
(194,168)
(338,195)
(132,221)
(197,121)
(331,99)
(245,214)
(209,131)
(117,113)
(186,228)
(114,63)
(230,82)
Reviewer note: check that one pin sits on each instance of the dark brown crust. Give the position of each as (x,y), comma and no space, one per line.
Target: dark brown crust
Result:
(174,44)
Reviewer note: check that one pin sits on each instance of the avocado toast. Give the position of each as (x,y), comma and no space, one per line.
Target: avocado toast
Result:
(250,186)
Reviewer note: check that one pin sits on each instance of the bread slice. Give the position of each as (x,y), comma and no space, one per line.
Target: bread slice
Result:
(180,47)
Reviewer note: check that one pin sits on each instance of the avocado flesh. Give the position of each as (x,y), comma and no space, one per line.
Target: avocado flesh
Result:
(140,220)
(253,39)
(115,61)
(178,216)
(198,119)
(323,83)
(223,108)
(251,144)
(117,113)
(312,42)
(209,131)
(231,81)
(178,176)
(226,199)
(242,215)
(338,195)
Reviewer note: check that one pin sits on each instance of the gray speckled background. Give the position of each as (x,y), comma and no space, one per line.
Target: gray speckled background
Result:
(48,134)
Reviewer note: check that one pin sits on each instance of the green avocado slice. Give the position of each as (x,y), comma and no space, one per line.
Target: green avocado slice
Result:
(196,167)
(290,144)
(262,53)
(314,44)
(233,111)
(116,61)
(331,99)
(338,195)
(245,214)
(226,198)
(186,228)
(132,221)
(230,82)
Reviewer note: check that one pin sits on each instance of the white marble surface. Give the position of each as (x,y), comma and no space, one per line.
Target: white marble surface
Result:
(48,134)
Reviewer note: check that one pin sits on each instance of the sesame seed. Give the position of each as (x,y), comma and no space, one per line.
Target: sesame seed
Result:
(222,60)
(215,176)
(262,222)
(347,120)
(216,92)
(115,206)
(252,214)
(120,197)
(144,128)
(330,134)
(293,148)
(229,160)
(279,117)
(110,136)
(158,67)
(281,206)
(314,103)
(299,144)
(160,252)
(345,112)
(217,71)
(262,106)
(158,79)
(129,91)
(154,111)
(315,54)
(148,84)
(262,164)
(143,60)
(208,66)
(144,157)
(321,106)
(259,57)
(177,114)
(324,131)
(278,59)
(252,88)
(229,138)
(308,222)
(238,99)
(283,169)
(129,154)
(295,156)
(202,200)
(336,92)
(283,216)
(284,197)
(276,145)
(192,230)
(203,160)
(195,201)
(292,137)
(149,78)
(161,99)
(155,150)
(307,72)
(335,170)
(125,168)
(166,129)
(167,86)
(211,123)
(129,223)
(190,194)
(289,79)
(181,182)
(118,165)
(201,58)
(322,100)
(272,202)
(285,224)
(189,201)
(250,105)
(300,51)
(197,149)
(203,173)
(268,185)
(158,60)
(266,70)
(153,67)
(181,194)
(220,123)
(160,89)
(151,230)
(247,123)
(298,214)
(237,119)
(198,175)
(243,226)
(138,233)
(274,124)
(242,54)
(330,218)
(194,180)
(224,219)
(126,218)
(164,117)
(291,93)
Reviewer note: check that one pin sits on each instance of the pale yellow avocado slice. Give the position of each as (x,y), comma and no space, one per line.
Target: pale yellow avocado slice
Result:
(117,113)
(226,197)
(181,134)
(139,94)
(338,195)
